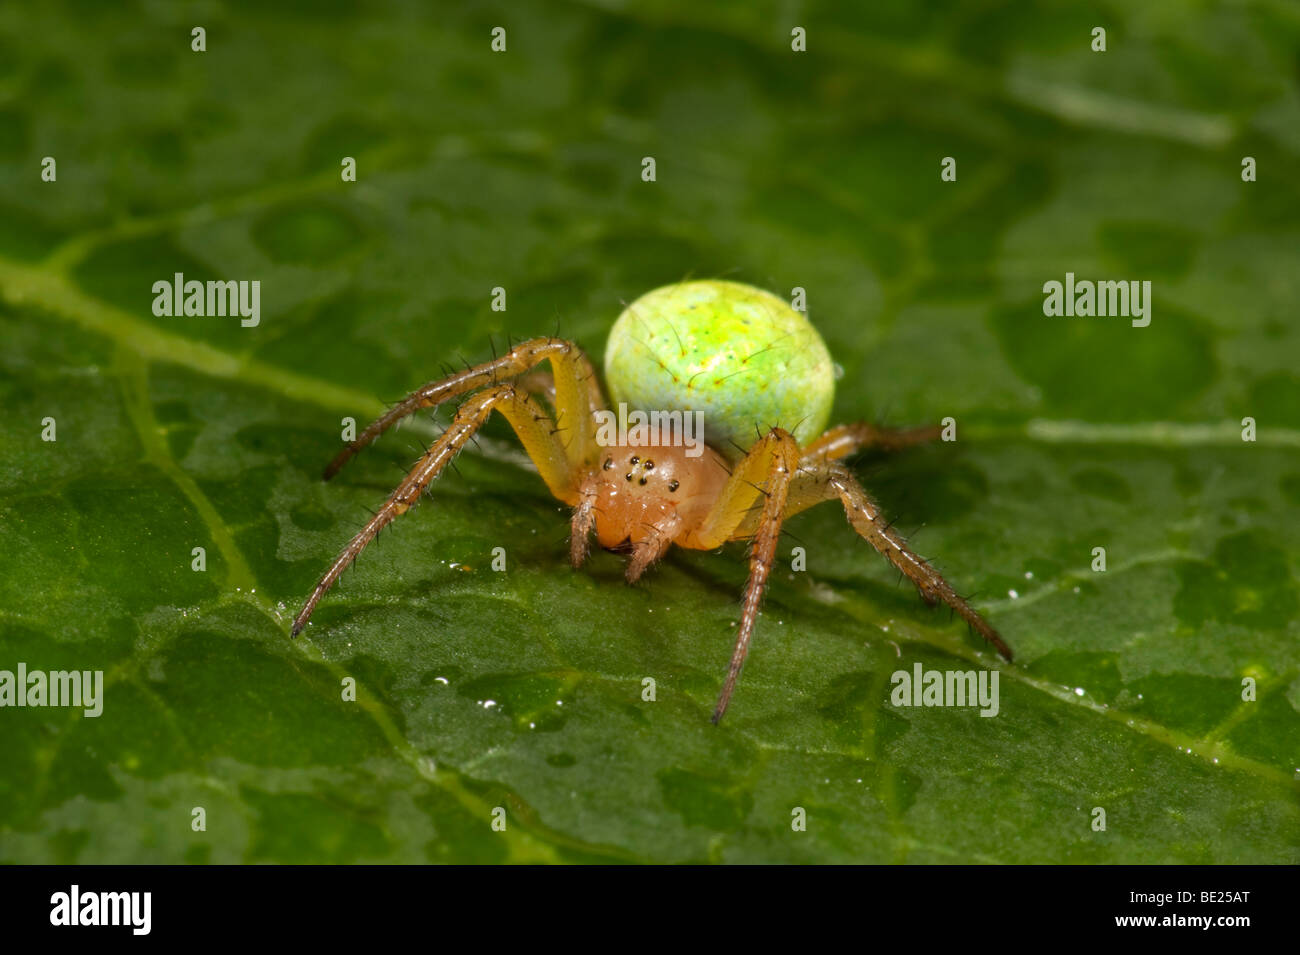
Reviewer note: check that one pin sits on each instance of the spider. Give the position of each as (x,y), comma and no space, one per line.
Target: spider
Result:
(761,379)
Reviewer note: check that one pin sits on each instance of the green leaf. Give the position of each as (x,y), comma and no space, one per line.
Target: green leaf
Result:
(523,689)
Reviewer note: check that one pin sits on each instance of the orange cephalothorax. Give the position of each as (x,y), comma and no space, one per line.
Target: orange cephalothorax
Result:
(642,487)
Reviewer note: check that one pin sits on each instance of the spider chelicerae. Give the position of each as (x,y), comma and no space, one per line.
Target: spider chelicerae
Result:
(761,379)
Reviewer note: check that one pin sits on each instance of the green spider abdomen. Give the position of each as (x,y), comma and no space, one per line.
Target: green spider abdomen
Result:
(739,355)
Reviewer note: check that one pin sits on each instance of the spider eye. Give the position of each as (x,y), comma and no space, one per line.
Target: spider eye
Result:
(649,465)
(642,481)
(609,463)
(674,485)
(634,460)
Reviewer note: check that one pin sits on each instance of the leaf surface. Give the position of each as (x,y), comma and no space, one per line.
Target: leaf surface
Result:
(523,689)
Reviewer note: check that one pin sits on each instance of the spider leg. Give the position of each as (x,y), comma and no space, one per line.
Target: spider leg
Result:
(650,548)
(536,432)
(771,461)
(584,519)
(845,439)
(539,381)
(577,394)
(820,480)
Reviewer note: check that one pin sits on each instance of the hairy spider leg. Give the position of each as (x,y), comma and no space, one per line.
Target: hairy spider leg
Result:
(536,432)
(542,382)
(577,395)
(584,519)
(865,516)
(845,439)
(821,480)
(766,470)
(652,547)
(816,479)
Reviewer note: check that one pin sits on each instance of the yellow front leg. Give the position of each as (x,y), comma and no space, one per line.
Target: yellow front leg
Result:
(762,479)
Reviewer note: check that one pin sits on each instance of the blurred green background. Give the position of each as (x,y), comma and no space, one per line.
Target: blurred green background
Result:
(522,169)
